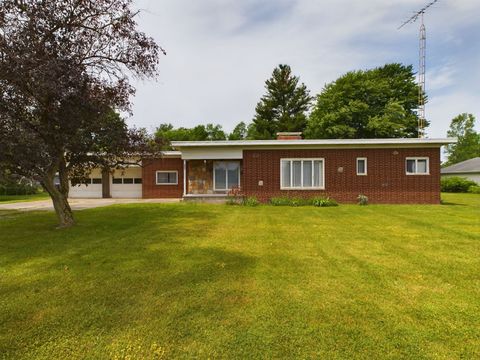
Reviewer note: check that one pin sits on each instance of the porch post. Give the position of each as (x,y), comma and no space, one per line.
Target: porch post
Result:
(184,177)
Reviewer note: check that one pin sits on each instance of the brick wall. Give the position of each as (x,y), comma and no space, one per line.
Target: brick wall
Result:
(386,181)
(151,189)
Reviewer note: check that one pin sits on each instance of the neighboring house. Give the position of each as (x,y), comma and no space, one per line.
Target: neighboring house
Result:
(385,170)
(469,169)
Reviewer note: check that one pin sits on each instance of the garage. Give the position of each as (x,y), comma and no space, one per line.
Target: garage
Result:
(123,183)
(90,189)
(126,183)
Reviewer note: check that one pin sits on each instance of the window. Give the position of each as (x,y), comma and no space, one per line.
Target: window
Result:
(226,175)
(167,177)
(361,166)
(96,180)
(137,180)
(302,174)
(128,180)
(417,166)
(116,180)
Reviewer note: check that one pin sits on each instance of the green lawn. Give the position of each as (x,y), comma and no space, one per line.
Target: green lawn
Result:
(4,199)
(214,281)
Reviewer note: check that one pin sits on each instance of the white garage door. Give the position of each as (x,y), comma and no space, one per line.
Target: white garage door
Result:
(92,188)
(127,183)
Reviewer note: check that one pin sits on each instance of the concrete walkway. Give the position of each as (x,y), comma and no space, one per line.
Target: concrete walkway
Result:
(78,204)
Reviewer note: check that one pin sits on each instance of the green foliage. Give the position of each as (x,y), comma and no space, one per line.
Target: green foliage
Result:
(375,103)
(250,201)
(362,199)
(474,189)
(165,133)
(283,107)
(462,127)
(456,184)
(323,202)
(239,132)
(297,201)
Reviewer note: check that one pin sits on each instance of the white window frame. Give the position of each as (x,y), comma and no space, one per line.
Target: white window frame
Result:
(366,169)
(226,179)
(416,158)
(165,171)
(301,174)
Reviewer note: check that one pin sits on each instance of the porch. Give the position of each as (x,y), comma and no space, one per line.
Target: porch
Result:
(210,178)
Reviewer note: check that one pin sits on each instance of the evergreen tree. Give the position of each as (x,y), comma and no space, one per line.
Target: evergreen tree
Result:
(239,132)
(468,140)
(283,108)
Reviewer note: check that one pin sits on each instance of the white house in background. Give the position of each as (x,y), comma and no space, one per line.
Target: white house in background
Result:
(469,169)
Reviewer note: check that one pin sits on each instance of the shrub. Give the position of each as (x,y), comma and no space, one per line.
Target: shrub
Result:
(323,202)
(280,201)
(232,201)
(18,189)
(362,199)
(250,201)
(456,184)
(474,189)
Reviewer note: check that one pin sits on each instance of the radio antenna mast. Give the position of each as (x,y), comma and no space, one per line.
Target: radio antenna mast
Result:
(421,65)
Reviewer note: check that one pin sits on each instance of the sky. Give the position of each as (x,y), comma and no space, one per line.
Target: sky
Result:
(220,52)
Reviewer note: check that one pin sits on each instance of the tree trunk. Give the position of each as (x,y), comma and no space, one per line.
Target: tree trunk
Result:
(106,183)
(59,197)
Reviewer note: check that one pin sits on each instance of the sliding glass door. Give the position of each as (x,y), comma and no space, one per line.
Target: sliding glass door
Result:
(226,175)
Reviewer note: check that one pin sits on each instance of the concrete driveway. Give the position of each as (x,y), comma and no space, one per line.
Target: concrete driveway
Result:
(78,204)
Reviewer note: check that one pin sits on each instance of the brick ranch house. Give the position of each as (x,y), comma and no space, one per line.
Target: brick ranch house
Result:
(386,170)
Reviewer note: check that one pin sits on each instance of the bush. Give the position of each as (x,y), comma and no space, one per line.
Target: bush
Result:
(456,184)
(250,201)
(474,189)
(323,202)
(362,199)
(18,189)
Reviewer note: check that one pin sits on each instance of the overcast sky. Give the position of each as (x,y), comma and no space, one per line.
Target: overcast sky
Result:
(220,52)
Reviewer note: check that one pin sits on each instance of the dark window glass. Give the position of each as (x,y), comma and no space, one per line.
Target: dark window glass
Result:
(165,177)
(116,180)
(411,168)
(96,180)
(137,180)
(128,180)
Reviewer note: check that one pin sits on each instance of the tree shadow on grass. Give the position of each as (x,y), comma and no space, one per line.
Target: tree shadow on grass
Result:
(103,278)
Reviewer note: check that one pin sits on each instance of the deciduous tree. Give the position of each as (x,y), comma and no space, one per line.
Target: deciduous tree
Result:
(376,103)
(64,67)
(462,127)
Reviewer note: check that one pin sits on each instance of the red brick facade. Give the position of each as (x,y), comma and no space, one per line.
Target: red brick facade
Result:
(151,189)
(386,181)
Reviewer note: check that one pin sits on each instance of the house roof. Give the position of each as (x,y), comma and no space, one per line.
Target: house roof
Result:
(413,142)
(467,166)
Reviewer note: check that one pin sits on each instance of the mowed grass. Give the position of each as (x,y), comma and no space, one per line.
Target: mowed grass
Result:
(214,281)
(5,199)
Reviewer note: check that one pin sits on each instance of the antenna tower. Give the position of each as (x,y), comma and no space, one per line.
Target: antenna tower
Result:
(421,65)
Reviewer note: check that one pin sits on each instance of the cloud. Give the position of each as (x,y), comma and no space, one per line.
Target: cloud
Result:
(220,52)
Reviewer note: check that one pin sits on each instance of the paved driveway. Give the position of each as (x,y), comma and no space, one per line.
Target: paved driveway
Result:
(78,204)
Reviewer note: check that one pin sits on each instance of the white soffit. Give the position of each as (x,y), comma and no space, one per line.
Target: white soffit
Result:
(207,153)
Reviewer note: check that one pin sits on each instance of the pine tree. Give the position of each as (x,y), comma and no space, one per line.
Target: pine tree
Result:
(283,107)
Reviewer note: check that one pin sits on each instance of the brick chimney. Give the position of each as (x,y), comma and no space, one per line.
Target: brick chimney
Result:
(289,136)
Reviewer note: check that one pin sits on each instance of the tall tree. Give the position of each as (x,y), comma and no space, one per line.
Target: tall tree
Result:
(376,103)
(462,127)
(239,132)
(283,108)
(64,67)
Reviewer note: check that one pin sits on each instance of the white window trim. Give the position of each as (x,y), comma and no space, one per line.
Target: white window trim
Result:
(366,169)
(301,174)
(165,171)
(416,158)
(226,179)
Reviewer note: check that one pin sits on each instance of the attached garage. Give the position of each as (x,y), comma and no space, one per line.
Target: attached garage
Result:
(122,183)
